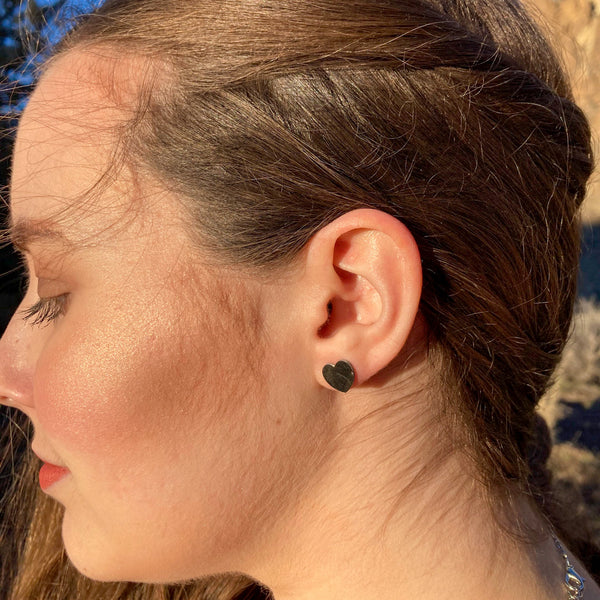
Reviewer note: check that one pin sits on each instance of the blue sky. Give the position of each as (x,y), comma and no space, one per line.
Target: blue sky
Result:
(23,74)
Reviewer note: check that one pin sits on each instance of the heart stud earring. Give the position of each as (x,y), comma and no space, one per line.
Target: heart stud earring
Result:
(339,376)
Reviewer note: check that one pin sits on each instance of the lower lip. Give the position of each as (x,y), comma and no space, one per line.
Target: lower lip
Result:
(50,474)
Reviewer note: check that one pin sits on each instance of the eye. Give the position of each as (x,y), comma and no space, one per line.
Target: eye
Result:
(46,310)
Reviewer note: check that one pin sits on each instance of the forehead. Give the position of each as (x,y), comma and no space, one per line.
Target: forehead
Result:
(65,163)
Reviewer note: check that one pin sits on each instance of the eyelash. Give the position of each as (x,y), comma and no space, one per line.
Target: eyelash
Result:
(46,310)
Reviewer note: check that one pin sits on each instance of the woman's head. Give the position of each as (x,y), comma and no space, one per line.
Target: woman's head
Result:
(453,117)
(171,390)
(207,158)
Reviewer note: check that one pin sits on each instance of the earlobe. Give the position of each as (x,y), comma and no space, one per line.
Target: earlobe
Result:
(367,270)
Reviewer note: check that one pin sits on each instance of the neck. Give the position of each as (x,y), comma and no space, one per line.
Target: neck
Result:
(427,551)
(400,517)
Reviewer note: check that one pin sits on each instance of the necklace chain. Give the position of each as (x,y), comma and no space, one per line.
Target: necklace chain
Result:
(574,582)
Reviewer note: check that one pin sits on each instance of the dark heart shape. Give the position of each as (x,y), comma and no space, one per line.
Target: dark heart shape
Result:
(340,377)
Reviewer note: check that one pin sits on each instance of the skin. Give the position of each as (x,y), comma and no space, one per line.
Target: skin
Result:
(144,363)
(187,402)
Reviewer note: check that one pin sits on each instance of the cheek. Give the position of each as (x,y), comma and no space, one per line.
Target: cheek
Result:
(173,423)
(125,398)
(95,387)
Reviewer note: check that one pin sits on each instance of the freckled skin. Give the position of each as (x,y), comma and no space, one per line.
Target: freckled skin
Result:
(176,458)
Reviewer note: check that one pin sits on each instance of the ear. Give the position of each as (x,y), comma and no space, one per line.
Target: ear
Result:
(364,275)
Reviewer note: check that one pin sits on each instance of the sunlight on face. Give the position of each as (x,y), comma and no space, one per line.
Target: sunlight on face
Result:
(145,384)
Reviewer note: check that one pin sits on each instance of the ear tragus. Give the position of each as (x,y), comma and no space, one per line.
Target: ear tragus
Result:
(358,302)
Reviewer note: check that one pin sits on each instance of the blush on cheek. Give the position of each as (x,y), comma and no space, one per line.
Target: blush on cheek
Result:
(76,413)
(92,391)
(118,386)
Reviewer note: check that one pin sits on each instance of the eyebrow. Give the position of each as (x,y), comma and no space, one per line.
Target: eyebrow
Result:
(27,231)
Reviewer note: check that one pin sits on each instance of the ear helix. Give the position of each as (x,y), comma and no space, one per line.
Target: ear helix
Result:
(339,376)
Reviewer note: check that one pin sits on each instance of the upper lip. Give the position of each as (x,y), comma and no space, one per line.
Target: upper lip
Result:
(41,456)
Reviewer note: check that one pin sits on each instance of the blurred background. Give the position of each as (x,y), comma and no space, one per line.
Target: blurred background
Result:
(571,407)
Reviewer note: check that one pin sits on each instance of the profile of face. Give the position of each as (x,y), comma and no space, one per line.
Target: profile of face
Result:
(143,369)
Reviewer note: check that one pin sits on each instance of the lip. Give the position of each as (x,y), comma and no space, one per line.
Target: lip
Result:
(51,474)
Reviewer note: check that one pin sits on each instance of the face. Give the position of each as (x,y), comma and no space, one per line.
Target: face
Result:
(144,381)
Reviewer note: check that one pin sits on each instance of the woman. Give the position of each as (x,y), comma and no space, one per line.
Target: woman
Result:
(299,275)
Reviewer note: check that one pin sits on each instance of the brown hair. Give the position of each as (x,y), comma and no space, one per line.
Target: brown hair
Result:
(452,115)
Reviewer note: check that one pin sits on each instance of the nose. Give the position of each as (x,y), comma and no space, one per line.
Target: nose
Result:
(16,364)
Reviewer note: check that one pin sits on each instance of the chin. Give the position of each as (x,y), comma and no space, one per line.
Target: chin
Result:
(107,567)
(93,568)
(103,560)
(92,556)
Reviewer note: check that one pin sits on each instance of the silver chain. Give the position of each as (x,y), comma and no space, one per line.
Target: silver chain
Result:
(574,582)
